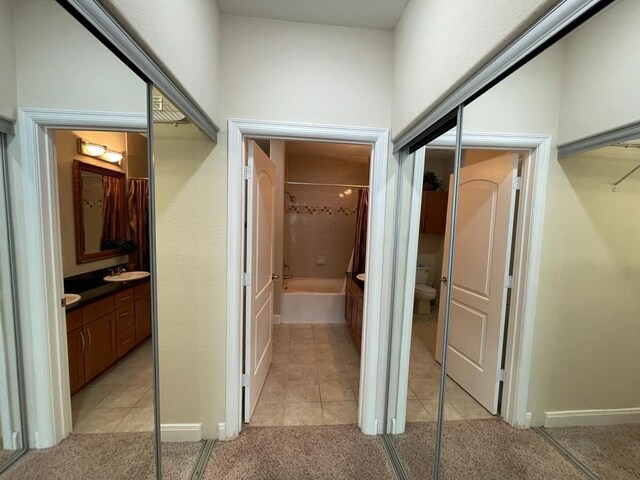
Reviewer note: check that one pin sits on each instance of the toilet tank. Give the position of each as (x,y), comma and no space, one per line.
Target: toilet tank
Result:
(422,275)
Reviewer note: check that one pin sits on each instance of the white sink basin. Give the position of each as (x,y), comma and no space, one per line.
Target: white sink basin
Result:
(126,277)
(71,298)
(361,276)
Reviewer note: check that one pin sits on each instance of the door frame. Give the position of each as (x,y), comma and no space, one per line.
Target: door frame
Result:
(527,245)
(372,374)
(36,221)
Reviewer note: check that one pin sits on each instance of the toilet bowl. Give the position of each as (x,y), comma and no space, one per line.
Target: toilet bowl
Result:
(424,292)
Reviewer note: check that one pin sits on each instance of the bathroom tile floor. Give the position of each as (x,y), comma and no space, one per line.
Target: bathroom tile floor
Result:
(119,400)
(315,371)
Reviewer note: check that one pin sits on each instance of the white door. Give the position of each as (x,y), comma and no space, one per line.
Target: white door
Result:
(479,289)
(259,266)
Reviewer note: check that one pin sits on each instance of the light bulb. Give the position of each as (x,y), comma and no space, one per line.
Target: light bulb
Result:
(92,149)
(111,156)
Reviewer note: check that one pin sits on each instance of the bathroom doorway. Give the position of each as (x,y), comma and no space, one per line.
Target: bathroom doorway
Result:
(307,210)
(301,343)
(487,210)
(102,188)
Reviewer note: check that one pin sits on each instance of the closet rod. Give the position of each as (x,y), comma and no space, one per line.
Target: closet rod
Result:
(327,184)
(633,170)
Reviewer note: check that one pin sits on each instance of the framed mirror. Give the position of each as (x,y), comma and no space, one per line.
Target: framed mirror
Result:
(99,211)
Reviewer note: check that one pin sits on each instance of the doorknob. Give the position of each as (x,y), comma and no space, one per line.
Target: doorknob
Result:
(275,277)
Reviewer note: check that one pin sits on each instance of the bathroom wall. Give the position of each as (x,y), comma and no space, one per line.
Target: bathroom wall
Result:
(66,151)
(277,156)
(320,225)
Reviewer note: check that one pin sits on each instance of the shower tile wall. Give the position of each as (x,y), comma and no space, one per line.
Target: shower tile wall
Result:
(320,225)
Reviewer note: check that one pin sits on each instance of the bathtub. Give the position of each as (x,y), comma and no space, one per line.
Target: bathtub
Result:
(313,300)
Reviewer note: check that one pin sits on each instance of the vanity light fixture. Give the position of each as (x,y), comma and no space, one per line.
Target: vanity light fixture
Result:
(99,151)
(348,191)
(90,149)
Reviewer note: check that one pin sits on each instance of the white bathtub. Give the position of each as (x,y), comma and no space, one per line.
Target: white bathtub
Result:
(313,300)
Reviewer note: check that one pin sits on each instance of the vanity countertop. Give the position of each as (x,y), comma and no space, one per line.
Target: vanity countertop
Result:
(358,282)
(93,294)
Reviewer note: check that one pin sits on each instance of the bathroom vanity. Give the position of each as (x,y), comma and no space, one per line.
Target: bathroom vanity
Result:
(105,325)
(354,305)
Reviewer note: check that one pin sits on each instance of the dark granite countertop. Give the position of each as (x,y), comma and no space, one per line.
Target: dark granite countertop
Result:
(108,288)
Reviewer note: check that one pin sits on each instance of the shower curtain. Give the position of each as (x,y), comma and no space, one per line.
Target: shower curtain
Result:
(112,213)
(138,200)
(360,247)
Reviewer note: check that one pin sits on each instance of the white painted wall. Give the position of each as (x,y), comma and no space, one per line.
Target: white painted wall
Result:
(190,234)
(587,332)
(602,71)
(437,44)
(304,72)
(183,38)
(8,93)
(61,65)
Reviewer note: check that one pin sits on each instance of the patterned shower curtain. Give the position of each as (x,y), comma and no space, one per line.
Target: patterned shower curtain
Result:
(112,213)
(360,247)
(138,200)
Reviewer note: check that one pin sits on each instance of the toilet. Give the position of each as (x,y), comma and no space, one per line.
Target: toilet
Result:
(424,293)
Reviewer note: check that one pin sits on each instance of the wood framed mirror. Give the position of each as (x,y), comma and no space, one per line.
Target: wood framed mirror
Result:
(99,211)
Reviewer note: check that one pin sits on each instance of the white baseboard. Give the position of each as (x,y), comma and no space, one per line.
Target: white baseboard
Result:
(276,319)
(222,431)
(181,432)
(589,418)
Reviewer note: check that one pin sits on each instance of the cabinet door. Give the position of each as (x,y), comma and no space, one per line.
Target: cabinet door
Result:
(143,318)
(76,345)
(434,212)
(99,353)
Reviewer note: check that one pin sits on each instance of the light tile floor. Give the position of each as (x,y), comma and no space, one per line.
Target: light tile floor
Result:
(119,400)
(313,380)
(315,371)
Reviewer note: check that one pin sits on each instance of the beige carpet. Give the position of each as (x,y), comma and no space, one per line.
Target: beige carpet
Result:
(611,452)
(482,449)
(106,456)
(297,453)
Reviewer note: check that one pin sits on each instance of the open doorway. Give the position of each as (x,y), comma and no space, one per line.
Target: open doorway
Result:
(482,282)
(307,211)
(103,217)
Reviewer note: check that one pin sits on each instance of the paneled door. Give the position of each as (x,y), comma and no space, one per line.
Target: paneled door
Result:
(259,273)
(481,267)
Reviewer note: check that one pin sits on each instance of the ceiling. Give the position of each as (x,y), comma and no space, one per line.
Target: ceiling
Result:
(373,14)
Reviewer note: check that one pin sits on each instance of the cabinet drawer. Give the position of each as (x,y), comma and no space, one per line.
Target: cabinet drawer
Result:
(97,309)
(74,319)
(142,289)
(125,340)
(124,298)
(124,318)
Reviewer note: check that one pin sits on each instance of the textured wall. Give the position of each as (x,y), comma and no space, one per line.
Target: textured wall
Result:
(190,234)
(8,93)
(61,65)
(183,37)
(438,43)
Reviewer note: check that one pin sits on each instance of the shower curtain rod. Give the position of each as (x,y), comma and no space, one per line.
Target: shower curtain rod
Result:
(138,178)
(341,185)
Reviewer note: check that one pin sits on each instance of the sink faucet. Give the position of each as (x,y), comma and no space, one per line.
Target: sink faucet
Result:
(117,271)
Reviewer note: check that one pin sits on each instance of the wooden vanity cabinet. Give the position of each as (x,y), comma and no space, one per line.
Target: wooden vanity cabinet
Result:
(143,311)
(354,305)
(433,212)
(102,332)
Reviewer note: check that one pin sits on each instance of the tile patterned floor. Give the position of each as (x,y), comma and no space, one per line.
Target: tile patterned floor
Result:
(119,400)
(313,380)
(315,371)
